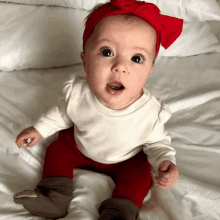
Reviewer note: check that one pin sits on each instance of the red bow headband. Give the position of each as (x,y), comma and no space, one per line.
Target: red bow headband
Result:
(168,28)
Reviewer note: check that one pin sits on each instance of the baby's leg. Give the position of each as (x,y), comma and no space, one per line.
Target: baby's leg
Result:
(53,194)
(50,199)
(133,181)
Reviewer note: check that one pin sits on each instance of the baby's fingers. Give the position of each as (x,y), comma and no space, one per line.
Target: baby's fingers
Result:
(32,142)
(29,136)
(162,179)
(163,182)
(19,141)
(164,185)
(22,139)
(29,142)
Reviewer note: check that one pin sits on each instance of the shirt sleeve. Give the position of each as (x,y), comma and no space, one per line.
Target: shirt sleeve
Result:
(56,118)
(158,147)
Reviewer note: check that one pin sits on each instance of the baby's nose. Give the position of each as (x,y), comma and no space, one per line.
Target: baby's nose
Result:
(120,66)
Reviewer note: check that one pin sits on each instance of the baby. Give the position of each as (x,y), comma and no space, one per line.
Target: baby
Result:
(109,120)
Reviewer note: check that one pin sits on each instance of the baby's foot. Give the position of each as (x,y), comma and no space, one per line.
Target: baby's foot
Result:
(112,214)
(50,199)
(38,204)
(118,209)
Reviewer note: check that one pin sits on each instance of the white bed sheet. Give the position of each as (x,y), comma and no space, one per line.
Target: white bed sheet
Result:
(190,85)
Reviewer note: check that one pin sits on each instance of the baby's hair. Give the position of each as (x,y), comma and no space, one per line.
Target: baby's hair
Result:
(127,16)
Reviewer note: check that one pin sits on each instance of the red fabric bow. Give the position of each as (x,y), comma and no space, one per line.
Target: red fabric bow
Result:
(168,28)
(124,4)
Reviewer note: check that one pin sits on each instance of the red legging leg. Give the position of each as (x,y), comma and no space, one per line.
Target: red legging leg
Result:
(132,177)
(62,156)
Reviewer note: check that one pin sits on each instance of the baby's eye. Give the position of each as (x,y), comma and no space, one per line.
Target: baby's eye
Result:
(137,58)
(107,52)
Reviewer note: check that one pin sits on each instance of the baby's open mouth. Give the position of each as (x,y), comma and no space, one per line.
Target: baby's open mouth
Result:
(116,86)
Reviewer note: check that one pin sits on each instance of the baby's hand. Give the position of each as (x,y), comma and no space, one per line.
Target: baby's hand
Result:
(28,133)
(167,174)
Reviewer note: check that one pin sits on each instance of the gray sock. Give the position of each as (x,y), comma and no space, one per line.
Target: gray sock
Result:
(118,209)
(50,199)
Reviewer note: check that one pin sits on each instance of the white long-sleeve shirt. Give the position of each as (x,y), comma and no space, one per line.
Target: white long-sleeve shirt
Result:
(106,135)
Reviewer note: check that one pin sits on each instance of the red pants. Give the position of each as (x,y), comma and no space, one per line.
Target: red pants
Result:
(132,177)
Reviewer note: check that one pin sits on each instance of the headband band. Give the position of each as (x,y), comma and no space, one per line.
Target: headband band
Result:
(168,28)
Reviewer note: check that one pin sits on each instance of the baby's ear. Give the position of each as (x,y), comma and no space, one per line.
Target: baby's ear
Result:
(82,55)
(152,68)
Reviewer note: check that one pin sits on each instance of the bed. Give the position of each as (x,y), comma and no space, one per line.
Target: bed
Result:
(40,43)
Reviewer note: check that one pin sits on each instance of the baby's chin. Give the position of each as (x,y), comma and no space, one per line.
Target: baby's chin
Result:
(114,102)
(119,101)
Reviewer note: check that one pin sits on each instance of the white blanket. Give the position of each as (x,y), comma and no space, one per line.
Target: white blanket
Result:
(189,85)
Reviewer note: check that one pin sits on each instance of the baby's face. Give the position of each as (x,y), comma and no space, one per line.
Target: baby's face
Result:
(118,58)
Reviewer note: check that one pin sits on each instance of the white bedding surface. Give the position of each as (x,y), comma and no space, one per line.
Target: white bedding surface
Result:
(190,85)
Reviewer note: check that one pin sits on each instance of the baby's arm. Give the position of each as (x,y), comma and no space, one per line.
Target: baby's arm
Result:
(56,118)
(160,153)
